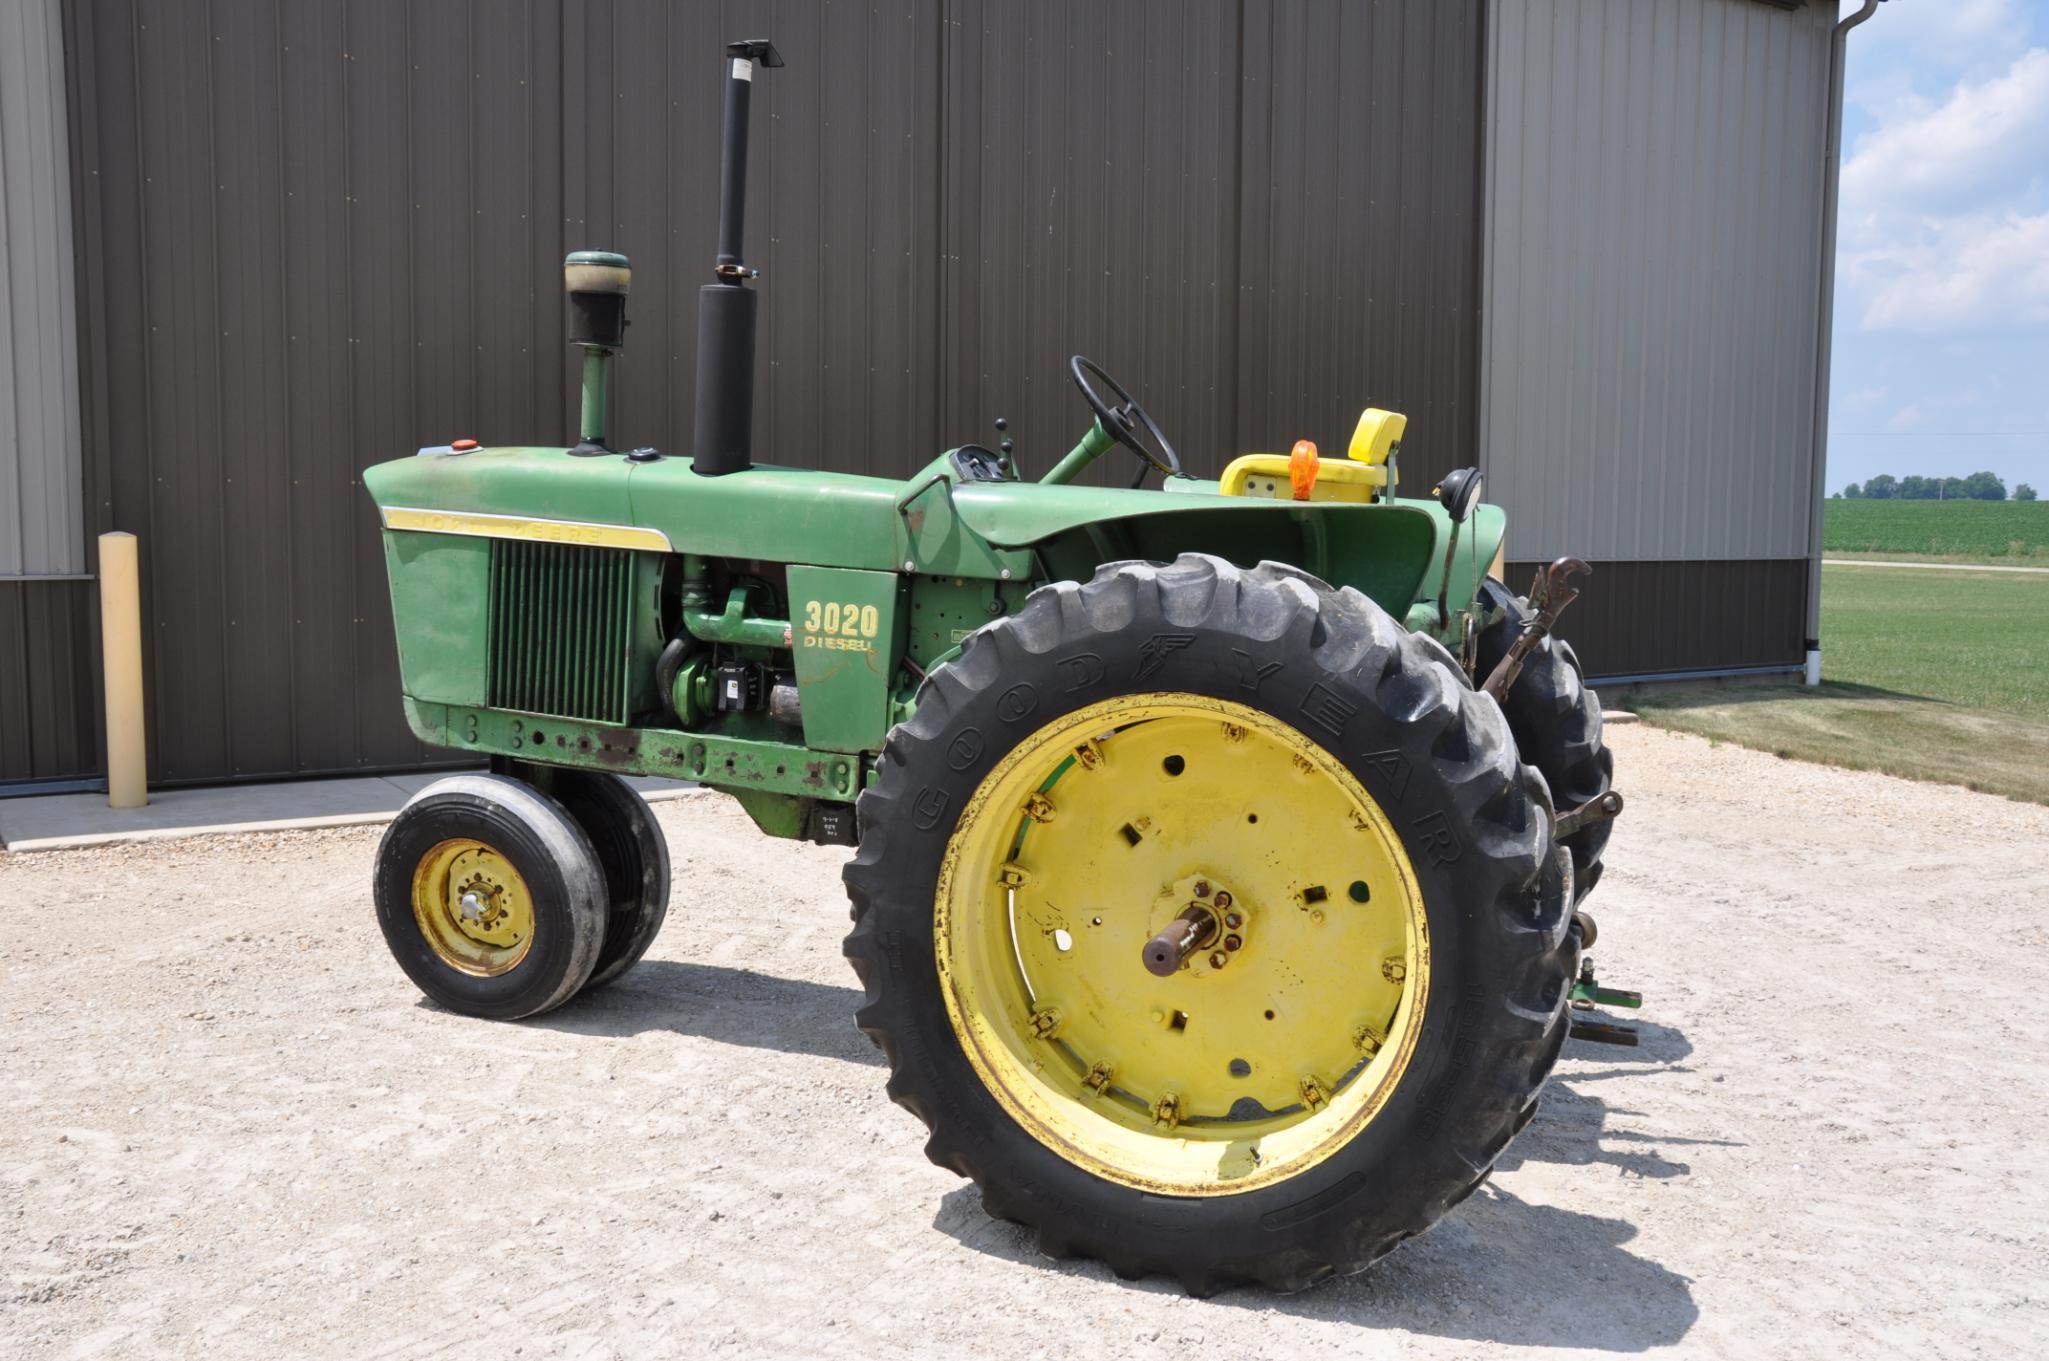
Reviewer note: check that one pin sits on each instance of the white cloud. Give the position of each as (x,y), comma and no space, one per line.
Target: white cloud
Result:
(1945,223)
(1985,135)
(1968,272)
(1942,307)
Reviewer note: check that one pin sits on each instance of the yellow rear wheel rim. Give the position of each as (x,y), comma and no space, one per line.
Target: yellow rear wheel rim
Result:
(1250,1064)
(473,908)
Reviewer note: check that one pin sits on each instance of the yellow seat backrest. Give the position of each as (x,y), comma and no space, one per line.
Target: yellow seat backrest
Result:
(1377,438)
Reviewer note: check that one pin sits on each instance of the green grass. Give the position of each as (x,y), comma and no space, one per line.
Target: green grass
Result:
(1939,676)
(1862,729)
(1994,531)
(1975,639)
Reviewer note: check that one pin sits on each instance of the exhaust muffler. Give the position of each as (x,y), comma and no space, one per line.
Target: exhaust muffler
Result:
(723,438)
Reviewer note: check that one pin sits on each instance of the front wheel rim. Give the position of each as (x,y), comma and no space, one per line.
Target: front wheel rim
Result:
(473,907)
(1277,1040)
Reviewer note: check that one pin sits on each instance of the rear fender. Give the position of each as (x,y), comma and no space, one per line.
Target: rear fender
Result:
(1393,553)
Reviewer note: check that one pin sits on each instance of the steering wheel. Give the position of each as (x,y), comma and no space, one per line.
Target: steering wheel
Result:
(1126,421)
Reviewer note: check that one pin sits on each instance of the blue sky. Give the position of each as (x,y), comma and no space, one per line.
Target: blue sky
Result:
(1942,285)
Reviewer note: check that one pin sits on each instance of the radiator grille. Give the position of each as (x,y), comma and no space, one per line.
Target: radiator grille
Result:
(561,620)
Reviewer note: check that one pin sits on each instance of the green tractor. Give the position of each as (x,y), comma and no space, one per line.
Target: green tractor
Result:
(1218,848)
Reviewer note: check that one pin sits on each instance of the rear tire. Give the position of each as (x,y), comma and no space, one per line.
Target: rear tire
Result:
(1556,720)
(490,897)
(1389,714)
(634,856)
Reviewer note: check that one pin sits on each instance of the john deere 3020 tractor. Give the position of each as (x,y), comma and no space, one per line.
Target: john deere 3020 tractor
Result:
(1218,845)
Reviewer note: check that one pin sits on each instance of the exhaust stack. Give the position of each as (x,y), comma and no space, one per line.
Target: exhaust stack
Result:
(723,440)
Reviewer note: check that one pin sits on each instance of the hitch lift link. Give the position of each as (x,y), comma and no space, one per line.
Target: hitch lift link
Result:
(1550,593)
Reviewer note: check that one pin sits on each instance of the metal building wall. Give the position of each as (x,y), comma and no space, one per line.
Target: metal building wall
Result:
(309,234)
(1261,217)
(1654,181)
(316,237)
(45,729)
(42,528)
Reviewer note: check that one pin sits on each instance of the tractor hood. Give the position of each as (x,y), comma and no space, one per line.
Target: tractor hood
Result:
(930,523)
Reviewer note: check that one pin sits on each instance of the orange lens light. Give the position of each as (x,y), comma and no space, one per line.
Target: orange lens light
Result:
(1302,468)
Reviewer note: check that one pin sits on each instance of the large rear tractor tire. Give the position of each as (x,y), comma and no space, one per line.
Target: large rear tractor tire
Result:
(1371,953)
(1557,725)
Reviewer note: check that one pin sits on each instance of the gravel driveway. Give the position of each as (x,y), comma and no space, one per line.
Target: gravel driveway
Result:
(229,1127)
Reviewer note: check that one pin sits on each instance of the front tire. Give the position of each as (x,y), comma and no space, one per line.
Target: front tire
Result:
(490,897)
(634,857)
(1401,912)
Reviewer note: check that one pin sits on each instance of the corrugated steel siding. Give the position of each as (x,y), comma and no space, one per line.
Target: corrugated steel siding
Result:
(950,199)
(1645,618)
(49,720)
(326,234)
(1359,249)
(42,522)
(1653,201)
(317,236)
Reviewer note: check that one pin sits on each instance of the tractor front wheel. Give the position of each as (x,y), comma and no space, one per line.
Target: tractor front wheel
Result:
(1211,924)
(490,897)
(632,853)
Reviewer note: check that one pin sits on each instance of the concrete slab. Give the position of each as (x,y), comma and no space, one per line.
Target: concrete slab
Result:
(654,788)
(413,784)
(61,821)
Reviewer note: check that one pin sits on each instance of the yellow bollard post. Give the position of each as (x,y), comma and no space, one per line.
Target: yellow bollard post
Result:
(121,663)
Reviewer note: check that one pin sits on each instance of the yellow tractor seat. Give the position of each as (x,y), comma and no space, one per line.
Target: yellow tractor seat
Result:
(1371,470)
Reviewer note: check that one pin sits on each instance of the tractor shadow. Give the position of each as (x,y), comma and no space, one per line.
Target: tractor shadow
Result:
(730,1006)
(1578,1128)
(1498,1269)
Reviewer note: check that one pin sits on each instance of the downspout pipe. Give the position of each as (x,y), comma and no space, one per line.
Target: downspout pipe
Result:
(1824,326)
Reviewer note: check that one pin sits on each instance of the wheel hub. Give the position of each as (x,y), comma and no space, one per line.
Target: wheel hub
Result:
(473,907)
(483,905)
(1199,926)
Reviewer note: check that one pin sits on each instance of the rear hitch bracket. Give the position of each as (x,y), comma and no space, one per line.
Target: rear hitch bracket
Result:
(1609,805)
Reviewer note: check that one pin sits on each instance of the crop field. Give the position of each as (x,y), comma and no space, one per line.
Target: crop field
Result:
(1998,531)
(1934,675)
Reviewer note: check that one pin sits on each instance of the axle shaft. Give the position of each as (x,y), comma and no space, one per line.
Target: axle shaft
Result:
(1179,939)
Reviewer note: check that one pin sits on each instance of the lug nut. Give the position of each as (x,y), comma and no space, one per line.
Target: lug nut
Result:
(1219,960)
(1202,888)
(1223,899)
(1233,942)
(1232,920)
